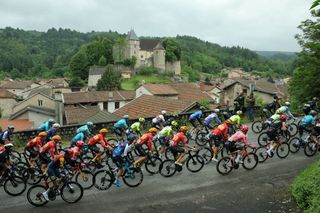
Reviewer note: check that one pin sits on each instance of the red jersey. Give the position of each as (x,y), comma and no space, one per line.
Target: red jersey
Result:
(37,142)
(51,148)
(146,139)
(179,138)
(74,152)
(99,138)
(221,130)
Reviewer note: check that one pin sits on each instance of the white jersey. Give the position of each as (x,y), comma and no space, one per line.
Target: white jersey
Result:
(158,119)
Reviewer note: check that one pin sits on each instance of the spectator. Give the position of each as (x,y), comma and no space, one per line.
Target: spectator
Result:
(250,106)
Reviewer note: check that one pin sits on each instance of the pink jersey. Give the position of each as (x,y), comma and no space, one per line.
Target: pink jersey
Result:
(239,137)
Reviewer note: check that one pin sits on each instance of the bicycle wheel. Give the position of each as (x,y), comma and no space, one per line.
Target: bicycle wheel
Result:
(206,154)
(71,192)
(250,161)
(32,175)
(263,139)
(262,154)
(35,197)
(85,179)
(152,165)
(224,166)
(283,150)
(201,138)
(195,163)
(293,129)
(133,177)
(168,154)
(167,168)
(103,179)
(257,126)
(311,148)
(294,145)
(14,186)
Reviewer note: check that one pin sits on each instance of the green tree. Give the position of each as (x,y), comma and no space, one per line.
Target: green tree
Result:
(102,61)
(110,80)
(76,82)
(120,48)
(79,65)
(306,78)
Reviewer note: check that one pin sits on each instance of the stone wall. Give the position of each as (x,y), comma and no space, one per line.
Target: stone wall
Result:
(173,67)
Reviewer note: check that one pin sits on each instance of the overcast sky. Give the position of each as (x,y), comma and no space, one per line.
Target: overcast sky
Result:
(255,24)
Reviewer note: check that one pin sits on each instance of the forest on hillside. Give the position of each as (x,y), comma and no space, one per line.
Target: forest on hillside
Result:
(26,54)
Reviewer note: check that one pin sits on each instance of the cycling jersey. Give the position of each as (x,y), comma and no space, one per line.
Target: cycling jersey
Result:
(239,136)
(147,140)
(166,131)
(121,124)
(45,126)
(135,127)
(221,130)
(51,132)
(178,138)
(158,119)
(195,115)
(211,117)
(50,148)
(57,162)
(308,119)
(73,152)
(37,142)
(79,137)
(235,119)
(5,136)
(122,148)
(4,155)
(99,138)
(85,128)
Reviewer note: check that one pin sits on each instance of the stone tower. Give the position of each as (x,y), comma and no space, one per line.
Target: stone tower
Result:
(159,61)
(133,46)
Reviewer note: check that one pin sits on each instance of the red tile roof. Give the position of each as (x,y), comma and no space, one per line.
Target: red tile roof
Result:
(19,124)
(16,84)
(190,92)
(6,94)
(148,106)
(160,89)
(204,87)
(74,115)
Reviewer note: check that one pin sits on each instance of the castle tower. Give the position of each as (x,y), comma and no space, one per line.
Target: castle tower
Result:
(159,60)
(133,45)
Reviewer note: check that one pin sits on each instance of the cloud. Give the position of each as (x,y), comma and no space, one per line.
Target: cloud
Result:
(255,24)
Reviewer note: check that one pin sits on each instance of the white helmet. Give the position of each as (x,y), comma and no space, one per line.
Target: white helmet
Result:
(216,110)
(287,103)
(56,125)
(8,145)
(163,112)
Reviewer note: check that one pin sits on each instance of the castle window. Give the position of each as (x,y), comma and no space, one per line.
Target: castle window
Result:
(40,103)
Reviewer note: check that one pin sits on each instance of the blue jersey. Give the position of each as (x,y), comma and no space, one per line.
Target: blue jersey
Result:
(195,115)
(78,137)
(45,126)
(117,152)
(85,128)
(212,117)
(121,124)
(308,119)
(51,132)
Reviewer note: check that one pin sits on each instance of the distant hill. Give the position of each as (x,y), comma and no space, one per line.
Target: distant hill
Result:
(277,55)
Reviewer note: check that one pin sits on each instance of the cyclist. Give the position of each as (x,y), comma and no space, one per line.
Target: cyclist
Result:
(5,136)
(285,110)
(34,147)
(136,126)
(5,157)
(177,140)
(52,131)
(212,117)
(81,136)
(122,148)
(48,151)
(99,139)
(307,123)
(236,141)
(271,108)
(218,135)
(146,139)
(46,125)
(196,116)
(273,132)
(159,120)
(235,122)
(88,127)
(54,173)
(121,125)
(72,154)
(164,136)
(171,118)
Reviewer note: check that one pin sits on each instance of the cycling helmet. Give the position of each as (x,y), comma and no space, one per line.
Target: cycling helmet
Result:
(56,138)
(126,116)
(103,131)
(228,121)
(80,144)
(56,125)
(43,134)
(239,112)
(163,112)
(131,137)
(244,129)
(283,117)
(174,123)
(184,129)
(287,103)
(265,110)
(313,113)
(8,145)
(10,127)
(306,105)
(89,123)
(153,130)
(51,120)
(141,120)
(216,110)
(225,113)
(315,99)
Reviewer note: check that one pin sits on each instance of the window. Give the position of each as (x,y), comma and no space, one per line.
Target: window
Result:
(244,91)
(116,105)
(40,103)
(105,106)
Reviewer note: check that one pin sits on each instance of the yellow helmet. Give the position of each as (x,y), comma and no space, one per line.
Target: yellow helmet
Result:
(102,131)
(56,138)
(153,130)
(183,129)
(43,134)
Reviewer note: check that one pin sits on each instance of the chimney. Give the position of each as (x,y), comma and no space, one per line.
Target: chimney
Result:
(110,95)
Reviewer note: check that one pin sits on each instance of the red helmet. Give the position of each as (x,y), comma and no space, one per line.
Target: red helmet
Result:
(244,129)
(283,117)
(80,144)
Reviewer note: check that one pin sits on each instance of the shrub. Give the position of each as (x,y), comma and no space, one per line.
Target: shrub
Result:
(147,71)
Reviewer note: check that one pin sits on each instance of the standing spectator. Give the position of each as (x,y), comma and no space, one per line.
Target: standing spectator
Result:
(239,102)
(250,106)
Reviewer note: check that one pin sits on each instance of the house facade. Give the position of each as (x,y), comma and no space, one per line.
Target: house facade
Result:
(7,101)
